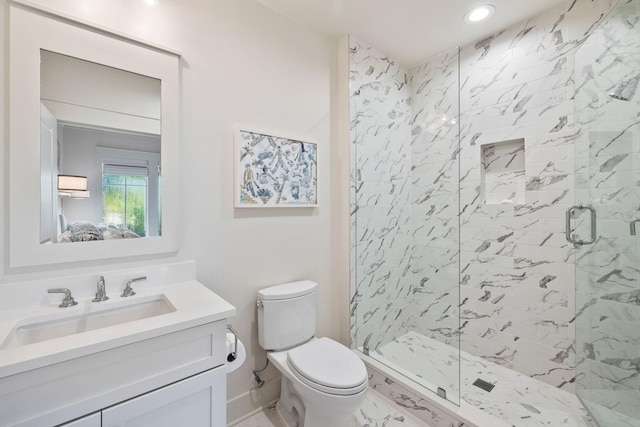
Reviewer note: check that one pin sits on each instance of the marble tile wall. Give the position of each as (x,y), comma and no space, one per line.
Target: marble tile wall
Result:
(405,175)
(517,284)
(435,176)
(380,197)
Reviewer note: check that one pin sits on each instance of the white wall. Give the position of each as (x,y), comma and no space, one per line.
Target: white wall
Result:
(245,65)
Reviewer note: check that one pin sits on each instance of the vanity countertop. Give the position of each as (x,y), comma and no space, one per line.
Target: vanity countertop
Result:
(192,304)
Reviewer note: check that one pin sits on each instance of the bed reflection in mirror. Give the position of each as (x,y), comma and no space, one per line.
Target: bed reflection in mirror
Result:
(102,124)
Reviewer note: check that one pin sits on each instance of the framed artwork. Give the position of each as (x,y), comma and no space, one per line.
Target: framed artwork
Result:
(274,171)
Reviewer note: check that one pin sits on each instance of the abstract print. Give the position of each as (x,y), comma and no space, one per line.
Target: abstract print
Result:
(274,171)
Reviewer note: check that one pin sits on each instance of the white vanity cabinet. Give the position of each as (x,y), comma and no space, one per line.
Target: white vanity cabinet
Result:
(159,362)
(170,380)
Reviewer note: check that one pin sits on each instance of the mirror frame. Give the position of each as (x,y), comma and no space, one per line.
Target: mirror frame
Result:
(33,29)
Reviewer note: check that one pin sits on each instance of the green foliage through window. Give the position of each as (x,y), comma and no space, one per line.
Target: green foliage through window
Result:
(124,201)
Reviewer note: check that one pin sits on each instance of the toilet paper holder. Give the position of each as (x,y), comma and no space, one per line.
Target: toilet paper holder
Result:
(232,356)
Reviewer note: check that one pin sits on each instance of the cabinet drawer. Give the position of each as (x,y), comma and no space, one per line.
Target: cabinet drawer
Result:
(198,401)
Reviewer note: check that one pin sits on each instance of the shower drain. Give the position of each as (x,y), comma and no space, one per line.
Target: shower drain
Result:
(486,386)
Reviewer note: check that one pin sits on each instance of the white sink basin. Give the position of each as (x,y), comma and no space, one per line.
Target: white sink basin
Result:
(36,329)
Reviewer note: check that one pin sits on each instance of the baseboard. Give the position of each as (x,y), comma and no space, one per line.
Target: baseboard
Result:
(253,401)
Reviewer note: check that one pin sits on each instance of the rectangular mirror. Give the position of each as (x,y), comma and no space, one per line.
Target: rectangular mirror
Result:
(94,142)
(101,126)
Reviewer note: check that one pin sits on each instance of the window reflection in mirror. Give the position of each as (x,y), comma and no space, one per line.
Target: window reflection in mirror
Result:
(100,123)
(130,190)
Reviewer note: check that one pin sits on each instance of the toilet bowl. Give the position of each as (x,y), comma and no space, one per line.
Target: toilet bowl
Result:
(327,378)
(323,381)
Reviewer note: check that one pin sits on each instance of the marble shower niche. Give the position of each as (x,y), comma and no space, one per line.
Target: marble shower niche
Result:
(503,172)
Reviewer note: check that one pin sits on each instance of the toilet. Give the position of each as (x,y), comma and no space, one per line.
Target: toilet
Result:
(323,381)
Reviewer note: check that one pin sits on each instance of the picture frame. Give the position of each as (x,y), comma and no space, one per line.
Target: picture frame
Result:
(274,171)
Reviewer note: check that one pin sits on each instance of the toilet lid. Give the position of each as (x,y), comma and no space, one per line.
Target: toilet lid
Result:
(328,366)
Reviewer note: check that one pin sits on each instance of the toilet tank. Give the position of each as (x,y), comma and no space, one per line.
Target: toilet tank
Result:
(287,314)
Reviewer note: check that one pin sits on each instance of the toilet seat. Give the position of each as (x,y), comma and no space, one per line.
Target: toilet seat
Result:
(328,366)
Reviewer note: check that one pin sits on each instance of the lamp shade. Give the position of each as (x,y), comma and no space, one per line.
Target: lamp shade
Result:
(73,186)
(72,183)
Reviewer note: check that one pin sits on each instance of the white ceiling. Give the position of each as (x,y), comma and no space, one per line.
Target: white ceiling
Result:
(409,31)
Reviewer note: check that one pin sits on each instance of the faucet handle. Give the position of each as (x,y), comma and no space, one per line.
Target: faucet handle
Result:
(128,290)
(67,301)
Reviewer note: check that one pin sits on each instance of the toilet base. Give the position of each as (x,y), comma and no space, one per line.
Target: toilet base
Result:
(290,419)
(289,407)
(295,414)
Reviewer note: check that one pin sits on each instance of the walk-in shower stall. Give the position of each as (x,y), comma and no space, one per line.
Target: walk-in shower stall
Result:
(495,216)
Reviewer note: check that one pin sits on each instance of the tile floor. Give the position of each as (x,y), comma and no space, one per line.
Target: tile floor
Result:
(376,411)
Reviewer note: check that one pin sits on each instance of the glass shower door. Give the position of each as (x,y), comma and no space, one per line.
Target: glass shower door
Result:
(405,216)
(604,226)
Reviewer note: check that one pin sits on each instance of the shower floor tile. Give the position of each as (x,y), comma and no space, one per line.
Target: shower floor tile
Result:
(516,398)
(375,411)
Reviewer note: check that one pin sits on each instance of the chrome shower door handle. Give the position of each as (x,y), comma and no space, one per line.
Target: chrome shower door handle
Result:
(592,215)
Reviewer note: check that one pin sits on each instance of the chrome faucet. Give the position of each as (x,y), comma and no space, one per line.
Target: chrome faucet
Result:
(68,300)
(101,295)
(128,290)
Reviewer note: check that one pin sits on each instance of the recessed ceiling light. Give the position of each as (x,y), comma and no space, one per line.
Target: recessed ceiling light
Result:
(479,13)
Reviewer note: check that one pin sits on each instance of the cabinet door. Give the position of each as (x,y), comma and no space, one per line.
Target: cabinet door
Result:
(92,420)
(199,401)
